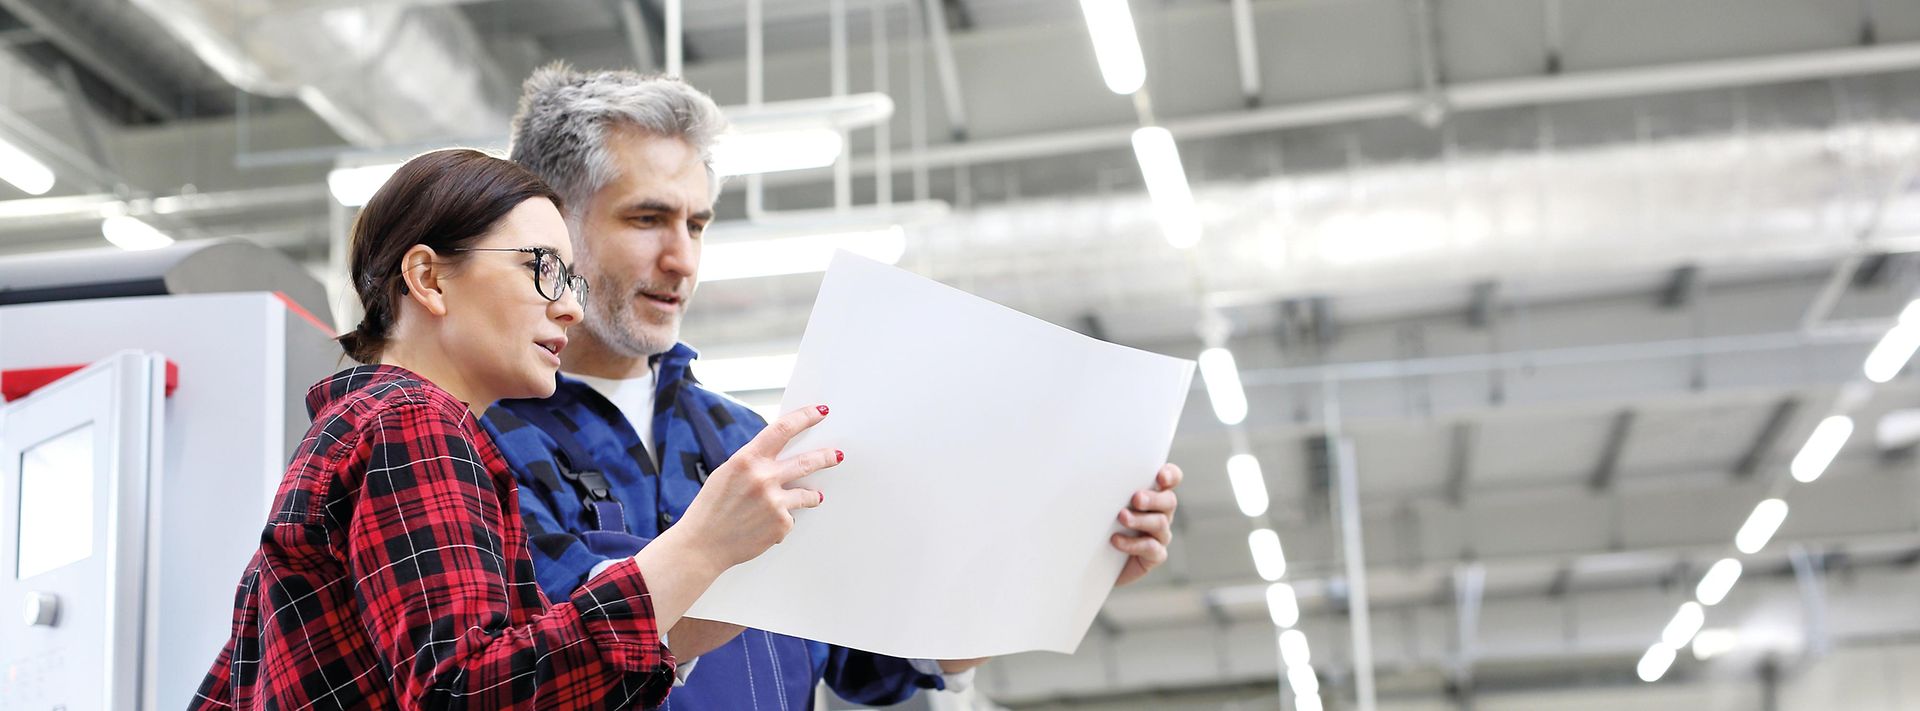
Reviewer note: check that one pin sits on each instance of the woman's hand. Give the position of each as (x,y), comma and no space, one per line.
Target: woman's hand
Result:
(746,507)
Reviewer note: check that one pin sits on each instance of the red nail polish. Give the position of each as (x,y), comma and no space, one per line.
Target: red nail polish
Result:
(822,409)
(839,456)
(823,497)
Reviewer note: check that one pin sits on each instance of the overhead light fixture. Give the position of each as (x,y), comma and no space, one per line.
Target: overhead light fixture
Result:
(1897,429)
(1717,582)
(1713,643)
(131,234)
(1685,623)
(1760,526)
(1655,662)
(1268,560)
(1892,353)
(1897,347)
(1306,702)
(846,112)
(1303,681)
(23,171)
(1293,649)
(1115,44)
(750,153)
(1222,378)
(1821,447)
(1249,486)
(1282,605)
(353,187)
(1166,180)
(798,255)
(751,373)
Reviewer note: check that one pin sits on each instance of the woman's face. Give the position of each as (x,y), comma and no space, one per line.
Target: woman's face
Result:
(502,333)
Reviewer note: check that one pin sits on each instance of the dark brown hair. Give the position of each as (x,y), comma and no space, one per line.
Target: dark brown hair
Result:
(445,200)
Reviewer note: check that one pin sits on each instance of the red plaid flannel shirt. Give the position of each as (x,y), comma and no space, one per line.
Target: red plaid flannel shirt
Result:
(394,573)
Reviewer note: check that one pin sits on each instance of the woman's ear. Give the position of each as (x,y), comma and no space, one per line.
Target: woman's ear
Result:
(420,274)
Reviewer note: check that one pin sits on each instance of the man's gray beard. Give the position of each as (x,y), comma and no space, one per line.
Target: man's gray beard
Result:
(617,330)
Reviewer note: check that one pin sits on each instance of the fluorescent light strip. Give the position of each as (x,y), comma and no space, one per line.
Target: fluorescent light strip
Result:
(1268,560)
(353,187)
(1685,623)
(797,255)
(1282,605)
(1303,681)
(1115,44)
(1892,353)
(1760,526)
(1293,649)
(1222,378)
(776,151)
(1166,180)
(1717,582)
(1306,702)
(1655,662)
(130,234)
(24,171)
(1822,446)
(729,375)
(1713,643)
(1249,486)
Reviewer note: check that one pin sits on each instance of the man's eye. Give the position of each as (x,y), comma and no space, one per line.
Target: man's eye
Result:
(646,221)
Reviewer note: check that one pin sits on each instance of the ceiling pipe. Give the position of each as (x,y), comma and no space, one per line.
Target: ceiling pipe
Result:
(377,73)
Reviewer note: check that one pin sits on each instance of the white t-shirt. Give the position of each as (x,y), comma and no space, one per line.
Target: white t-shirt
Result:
(634,397)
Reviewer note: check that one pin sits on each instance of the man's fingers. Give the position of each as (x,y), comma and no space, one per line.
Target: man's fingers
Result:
(802,498)
(1169,477)
(1149,551)
(1157,525)
(807,463)
(1146,501)
(778,432)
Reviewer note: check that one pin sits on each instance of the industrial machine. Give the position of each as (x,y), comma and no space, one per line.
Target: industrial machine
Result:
(151,401)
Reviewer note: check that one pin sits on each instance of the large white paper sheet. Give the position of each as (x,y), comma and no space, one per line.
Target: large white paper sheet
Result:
(988,454)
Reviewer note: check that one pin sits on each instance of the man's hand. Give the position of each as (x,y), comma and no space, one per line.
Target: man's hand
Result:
(955,666)
(1150,514)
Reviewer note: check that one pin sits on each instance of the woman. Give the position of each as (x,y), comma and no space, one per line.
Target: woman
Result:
(393,571)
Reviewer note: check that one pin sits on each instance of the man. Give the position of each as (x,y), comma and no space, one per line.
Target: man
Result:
(629,436)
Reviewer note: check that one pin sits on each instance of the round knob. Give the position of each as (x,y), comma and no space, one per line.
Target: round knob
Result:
(42,609)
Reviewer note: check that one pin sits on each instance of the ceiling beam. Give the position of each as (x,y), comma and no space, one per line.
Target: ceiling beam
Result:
(1248,50)
(1480,302)
(642,40)
(1608,466)
(1459,462)
(1764,440)
(944,66)
(1683,283)
(1872,271)
(959,15)
(1460,97)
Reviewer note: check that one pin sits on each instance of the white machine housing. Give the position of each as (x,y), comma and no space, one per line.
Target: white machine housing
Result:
(245,361)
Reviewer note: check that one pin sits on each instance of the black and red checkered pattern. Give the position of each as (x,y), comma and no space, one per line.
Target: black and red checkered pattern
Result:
(393,572)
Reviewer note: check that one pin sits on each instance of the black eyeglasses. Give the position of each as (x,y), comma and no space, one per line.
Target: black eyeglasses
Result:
(551,277)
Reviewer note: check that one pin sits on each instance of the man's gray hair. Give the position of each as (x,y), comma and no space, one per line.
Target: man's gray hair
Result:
(560,131)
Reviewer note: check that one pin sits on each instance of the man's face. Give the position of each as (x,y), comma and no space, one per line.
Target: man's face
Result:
(640,242)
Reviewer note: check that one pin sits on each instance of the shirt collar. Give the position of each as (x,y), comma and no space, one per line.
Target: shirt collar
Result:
(351,380)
